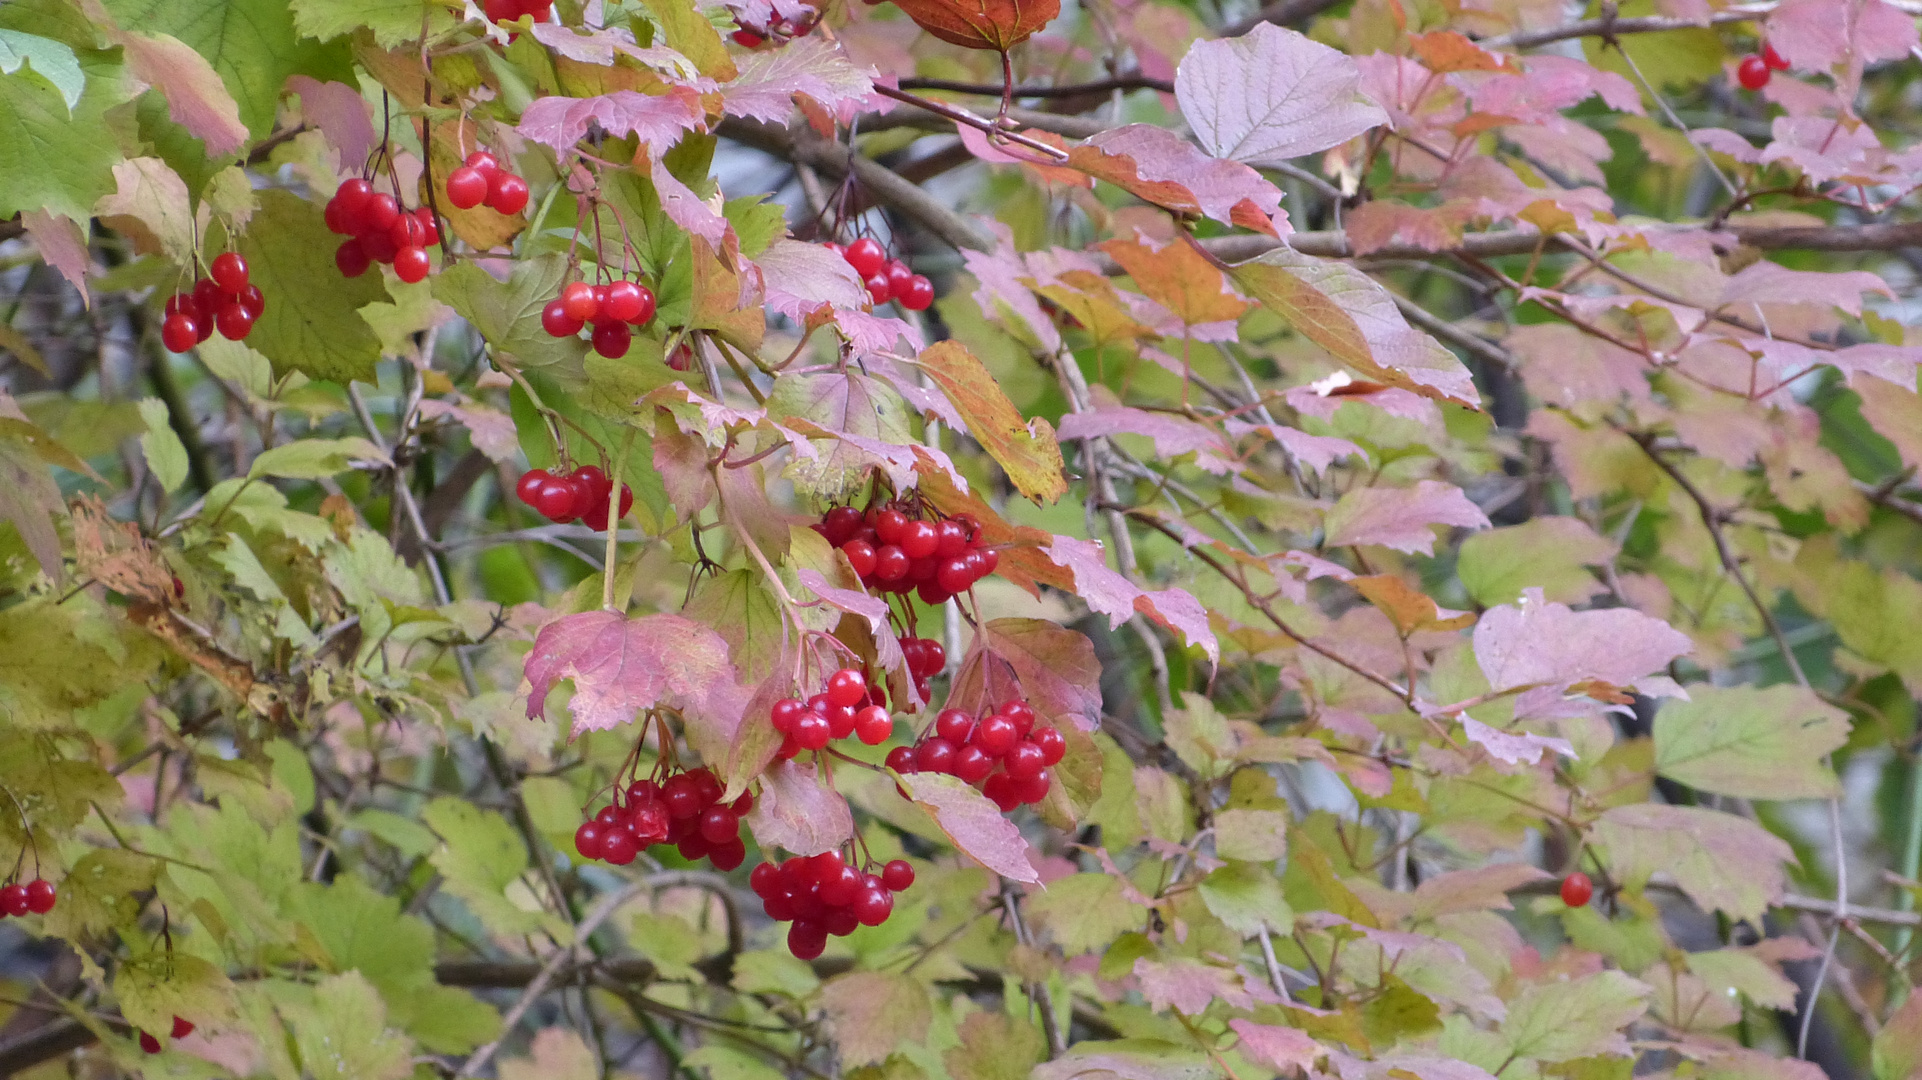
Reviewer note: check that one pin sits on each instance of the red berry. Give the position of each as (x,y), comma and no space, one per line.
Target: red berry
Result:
(841,719)
(1752,72)
(806,939)
(1021,713)
(623,301)
(902,759)
(1577,889)
(916,295)
(596,517)
(841,921)
(747,39)
(40,894)
(873,725)
(487,164)
(888,525)
(379,245)
(1029,789)
(430,232)
(933,594)
(1026,759)
(784,712)
(589,841)
(530,483)
(971,765)
(719,825)
(507,193)
(950,539)
(841,523)
(557,322)
(612,339)
(179,332)
(379,214)
(846,687)
(682,794)
(579,301)
(918,540)
(866,256)
(764,879)
(838,888)
(13,900)
(229,271)
(556,499)
(1000,788)
(648,821)
(872,905)
(1773,59)
(352,195)
(411,264)
(879,290)
(407,231)
(1052,743)
(467,187)
(935,755)
(253,300)
(620,847)
(729,855)
(860,556)
(351,259)
(148,1043)
(898,275)
(595,488)
(954,725)
(933,658)
(233,321)
(897,875)
(812,731)
(182,1028)
(995,735)
(955,575)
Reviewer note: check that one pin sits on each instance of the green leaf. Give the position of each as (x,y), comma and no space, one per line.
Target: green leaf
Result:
(1896,1053)
(1751,743)
(1084,912)
(481,856)
(1246,897)
(875,1013)
(98,893)
(311,459)
(393,22)
(343,1034)
(250,43)
(846,402)
(995,1046)
(1721,861)
(757,222)
(1574,1018)
(508,313)
(312,323)
(156,987)
(165,454)
(51,60)
(54,158)
(1546,552)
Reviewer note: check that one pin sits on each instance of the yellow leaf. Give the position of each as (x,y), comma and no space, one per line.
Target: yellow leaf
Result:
(1027,451)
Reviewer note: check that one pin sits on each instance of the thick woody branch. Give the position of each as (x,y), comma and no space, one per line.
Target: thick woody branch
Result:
(1332,244)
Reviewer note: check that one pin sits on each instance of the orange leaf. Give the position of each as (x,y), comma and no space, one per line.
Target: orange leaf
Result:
(1444,51)
(1027,451)
(1179,279)
(995,25)
(1408,609)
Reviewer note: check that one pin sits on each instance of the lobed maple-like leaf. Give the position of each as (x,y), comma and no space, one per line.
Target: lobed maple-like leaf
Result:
(1720,861)
(1113,595)
(196,98)
(1281,1048)
(993,25)
(1400,518)
(657,121)
(814,66)
(153,202)
(1766,743)
(1188,986)
(1051,667)
(1178,278)
(1541,643)
(875,1013)
(1271,95)
(796,812)
(622,666)
(1158,166)
(1026,450)
(973,824)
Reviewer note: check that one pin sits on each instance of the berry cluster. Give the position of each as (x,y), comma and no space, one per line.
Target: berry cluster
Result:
(848,706)
(754,35)
(1577,889)
(36,897)
(1754,71)
(822,895)
(1004,753)
(224,300)
(379,229)
(684,810)
(581,494)
(614,308)
(507,11)
(886,279)
(482,179)
(925,658)
(893,552)
(182,1029)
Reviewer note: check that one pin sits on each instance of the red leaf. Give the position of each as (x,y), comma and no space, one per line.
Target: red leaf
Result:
(994,25)
(621,666)
(1400,518)
(973,824)
(1053,667)
(62,245)
(795,811)
(887,648)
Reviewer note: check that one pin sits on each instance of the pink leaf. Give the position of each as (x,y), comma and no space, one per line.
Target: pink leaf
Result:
(799,278)
(1101,588)
(1315,451)
(973,824)
(682,206)
(1052,667)
(658,121)
(1002,296)
(1771,283)
(1188,986)
(1272,95)
(1400,518)
(1160,157)
(798,813)
(492,431)
(196,98)
(1179,611)
(622,666)
(62,245)
(340,113)
(1815,35)
(1482,889)
(814,66)
(1514,748)
(1281,1048)
(1173,435)
(1546,644)
(859,604)
(600,47)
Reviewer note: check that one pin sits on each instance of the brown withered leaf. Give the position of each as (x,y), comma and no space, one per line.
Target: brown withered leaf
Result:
(115,554)
(994,25)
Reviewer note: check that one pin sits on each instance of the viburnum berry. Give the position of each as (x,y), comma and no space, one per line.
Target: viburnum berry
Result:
(229,271)
(40,896)
(747,39)
(917,294)
(1577,889)
(898,876)
(557,322)
(351,258)
(879,291)
(1773,59)
(507,193)
(901,759)
(847,687)
(612,339)
(1753,72)
(628,302)
(873,725)
(13,900)
(411,263)
(866,256)
(149,1044)
(579,301)
(179,332)
(467,187)
(182,1028)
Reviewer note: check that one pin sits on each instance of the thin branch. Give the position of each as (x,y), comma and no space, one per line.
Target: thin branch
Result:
(1129,81)
(1609,27)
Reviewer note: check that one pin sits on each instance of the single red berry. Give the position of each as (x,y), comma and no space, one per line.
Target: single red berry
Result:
(148,1043)
(683,796)
(902,760)
(890,563)
(411,264)
(351,258)
(1053,744)
(595,490)
(620,847)
(622,300)
(589,841)
(888,525)
(950,539)
(841,921)
(916,295)
(872,905)
(812,731)
(557,322)
(578,299)
(784,712)
(1773,59)
(407,231)
(935,755)
(612,339)
(183,304)
(179,333)
(933,658)
(429,231)
(1752,72)
(932,594)
(352,195)
(229,271)
(233,320)
(379,214)
(995,735)
(897,875)
(748,39)
(764,879)
(208,298)
(727,856)
(860,557)
(743,804)
(556,499)
(467,187)
(841,523)
(484,162)
(1021,713)
(879,291)
(866,256)
(898,276)
(1001,790)
(873,725)
(807,939)
(954,725)
(955,575)
(971,765)
(918,540)
(846,687)
(40,894)
(253,300)
(529,484)
(13,900)
(1577,889)
(501,11)
(182,1028)
(1030,789)
(839,887)
(507,193)
(1025,760)
(719,825)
